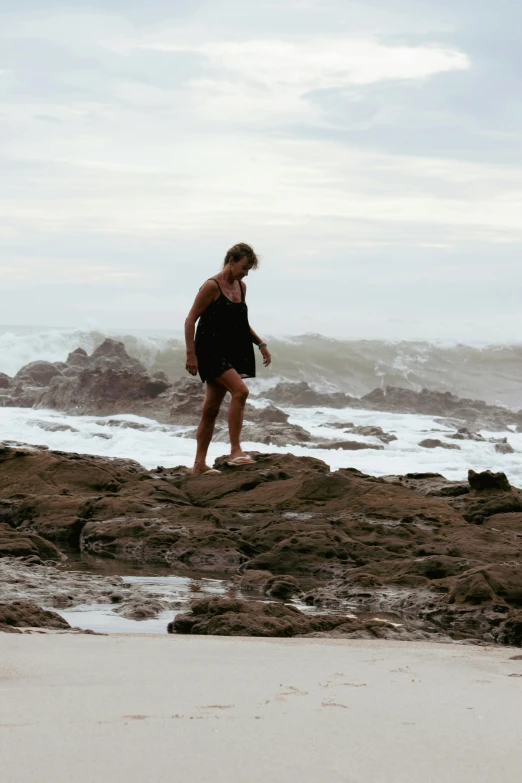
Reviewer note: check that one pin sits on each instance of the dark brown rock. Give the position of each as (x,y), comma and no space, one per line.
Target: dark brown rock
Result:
(510,522)
(434,443)
(282,587)
(5,381)
(14,543)
(347,445)
(488,481)
(464,434)
(225,617)
(21,614)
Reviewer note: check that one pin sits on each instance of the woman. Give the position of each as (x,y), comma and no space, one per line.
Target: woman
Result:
(223,351)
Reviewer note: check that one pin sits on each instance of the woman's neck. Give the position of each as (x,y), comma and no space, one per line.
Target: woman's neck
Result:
(228,276)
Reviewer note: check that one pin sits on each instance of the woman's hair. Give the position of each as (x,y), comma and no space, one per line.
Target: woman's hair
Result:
(239,251)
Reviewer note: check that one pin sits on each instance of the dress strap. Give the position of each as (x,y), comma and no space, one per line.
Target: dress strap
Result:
(242,291)
(216,282)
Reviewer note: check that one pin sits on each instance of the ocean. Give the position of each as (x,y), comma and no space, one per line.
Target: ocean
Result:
(489,372)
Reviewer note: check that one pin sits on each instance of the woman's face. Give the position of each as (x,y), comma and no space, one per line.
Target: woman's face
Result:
(240,268)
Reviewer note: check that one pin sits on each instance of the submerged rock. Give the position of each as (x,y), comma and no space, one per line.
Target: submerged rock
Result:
(347,445)
(375,432)
(434,443)
(504,447)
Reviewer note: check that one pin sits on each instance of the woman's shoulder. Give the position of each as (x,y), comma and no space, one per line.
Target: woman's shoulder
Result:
(211,289)
(211,285)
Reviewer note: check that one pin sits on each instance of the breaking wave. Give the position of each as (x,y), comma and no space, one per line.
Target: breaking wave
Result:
(489,372)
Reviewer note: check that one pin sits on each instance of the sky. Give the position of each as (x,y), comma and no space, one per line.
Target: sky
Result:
(371,152)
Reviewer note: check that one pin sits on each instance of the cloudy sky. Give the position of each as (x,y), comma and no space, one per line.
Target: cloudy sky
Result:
(370,151)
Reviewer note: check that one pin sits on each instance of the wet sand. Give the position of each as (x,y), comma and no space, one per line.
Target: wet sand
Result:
(207,709)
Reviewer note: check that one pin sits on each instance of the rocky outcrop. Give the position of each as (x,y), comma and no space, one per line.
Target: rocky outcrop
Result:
(430,551)
(5,381)
(504,447)
(374,432)
(347,445)
(21,614)
(282,586)
(15,543)
(267,432)
(101,391)
(464,434)
(475,414)
(435,443)
(225,617)
(37,374)
(302,395)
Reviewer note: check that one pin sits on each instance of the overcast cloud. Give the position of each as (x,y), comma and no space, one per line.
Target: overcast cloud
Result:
(370,151)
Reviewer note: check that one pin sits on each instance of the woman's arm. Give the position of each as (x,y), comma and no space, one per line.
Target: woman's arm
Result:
(207,294)
(255,338)
(265,353)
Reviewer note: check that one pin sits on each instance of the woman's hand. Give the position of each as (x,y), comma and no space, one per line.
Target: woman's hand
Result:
(192,364)
(265,353)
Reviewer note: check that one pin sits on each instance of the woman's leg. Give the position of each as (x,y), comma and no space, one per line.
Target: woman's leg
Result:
(213,399)
(233,383)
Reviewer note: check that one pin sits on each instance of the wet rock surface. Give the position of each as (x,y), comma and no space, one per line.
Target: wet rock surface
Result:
(25,580)
(347,445)
(442,554)
(16,543)
(22,614)
(229,617)
(435,443)
(473,414)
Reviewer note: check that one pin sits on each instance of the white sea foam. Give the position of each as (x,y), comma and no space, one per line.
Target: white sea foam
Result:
(489,372)
(159,444)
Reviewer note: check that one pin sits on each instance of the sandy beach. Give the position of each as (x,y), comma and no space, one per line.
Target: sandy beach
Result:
(129,708)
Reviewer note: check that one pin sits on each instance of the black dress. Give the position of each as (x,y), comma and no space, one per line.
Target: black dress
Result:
(223,340)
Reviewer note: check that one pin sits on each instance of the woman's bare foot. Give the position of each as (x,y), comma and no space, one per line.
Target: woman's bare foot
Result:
(235,453)
(240,459)
(200,468)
